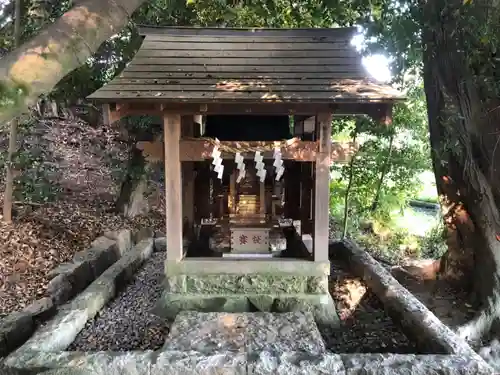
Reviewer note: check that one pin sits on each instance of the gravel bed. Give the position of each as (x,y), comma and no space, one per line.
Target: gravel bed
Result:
(127,323)
(365,327)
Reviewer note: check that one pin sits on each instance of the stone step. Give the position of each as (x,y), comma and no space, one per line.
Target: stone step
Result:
(250,333)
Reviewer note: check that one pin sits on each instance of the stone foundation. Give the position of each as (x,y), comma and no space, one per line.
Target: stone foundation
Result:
(249,333)
(278,285)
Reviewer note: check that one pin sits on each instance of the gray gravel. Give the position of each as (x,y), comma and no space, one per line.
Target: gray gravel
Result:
(368,330)
(127,323)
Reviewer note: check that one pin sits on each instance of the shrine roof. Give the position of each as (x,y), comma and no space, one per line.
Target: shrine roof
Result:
(222,65)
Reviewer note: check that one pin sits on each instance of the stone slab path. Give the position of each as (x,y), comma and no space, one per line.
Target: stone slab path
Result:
(245,332)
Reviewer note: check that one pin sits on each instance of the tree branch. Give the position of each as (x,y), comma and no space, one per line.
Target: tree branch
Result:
(38,65)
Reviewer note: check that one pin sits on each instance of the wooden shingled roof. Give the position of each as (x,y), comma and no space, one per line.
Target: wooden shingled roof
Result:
(220,65)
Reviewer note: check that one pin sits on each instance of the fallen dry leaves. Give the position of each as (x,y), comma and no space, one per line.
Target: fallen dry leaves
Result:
(42,236)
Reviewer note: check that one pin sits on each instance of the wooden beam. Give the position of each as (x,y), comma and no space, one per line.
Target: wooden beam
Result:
(144,107)
(322,188)
(197,150)
(173,187)
(116,111)
(200,150)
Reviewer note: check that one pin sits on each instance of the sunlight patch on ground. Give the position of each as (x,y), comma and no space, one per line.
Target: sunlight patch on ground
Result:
(349,291)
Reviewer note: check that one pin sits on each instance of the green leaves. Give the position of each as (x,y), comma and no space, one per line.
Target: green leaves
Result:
(384,172)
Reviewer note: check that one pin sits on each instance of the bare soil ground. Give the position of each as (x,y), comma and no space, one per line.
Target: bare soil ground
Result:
(448,304)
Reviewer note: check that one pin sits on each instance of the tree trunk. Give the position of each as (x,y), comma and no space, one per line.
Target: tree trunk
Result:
(463,132)
(38,65)
(9,170)
(131,201)
(385,169)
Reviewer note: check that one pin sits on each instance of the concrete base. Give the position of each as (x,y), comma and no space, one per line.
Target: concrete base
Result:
(233,286)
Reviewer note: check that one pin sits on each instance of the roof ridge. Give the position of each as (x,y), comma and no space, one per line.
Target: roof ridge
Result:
(247,31)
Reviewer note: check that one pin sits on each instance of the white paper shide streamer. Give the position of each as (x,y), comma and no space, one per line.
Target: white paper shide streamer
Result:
(217,160)
(240,165)
(259,165)
(278,163)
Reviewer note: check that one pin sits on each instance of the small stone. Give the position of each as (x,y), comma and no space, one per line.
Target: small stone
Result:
(286,330)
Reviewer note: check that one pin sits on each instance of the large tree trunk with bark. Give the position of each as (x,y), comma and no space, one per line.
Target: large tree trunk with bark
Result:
(463,122)
(38,65)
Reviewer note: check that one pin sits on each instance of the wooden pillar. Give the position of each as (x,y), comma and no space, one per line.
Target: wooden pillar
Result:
(322,188)
(262,197)
(173,186)
(232,192)
(187,130)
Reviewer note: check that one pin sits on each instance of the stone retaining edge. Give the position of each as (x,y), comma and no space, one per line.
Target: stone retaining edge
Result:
(418,322)
(61,330)
(68,279)
(264,363)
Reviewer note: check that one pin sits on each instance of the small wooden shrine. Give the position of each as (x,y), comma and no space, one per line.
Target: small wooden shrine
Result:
(247,149)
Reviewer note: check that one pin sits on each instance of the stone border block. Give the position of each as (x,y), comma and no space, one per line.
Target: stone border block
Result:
(73,277)
(420,324)
(68,279)
(61,331)
(124,239)
(17,327)
(414,364)
(235,363)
